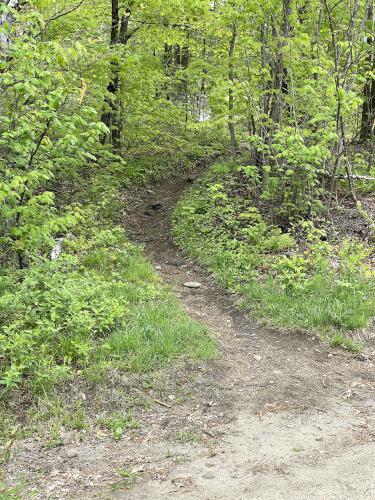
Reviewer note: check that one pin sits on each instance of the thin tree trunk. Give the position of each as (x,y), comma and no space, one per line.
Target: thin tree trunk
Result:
(232,132)
(108,117)
(368,108)
(368,111)
(280,72)
(265,108)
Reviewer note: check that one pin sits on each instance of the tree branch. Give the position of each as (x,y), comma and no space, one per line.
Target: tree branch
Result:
(63,13)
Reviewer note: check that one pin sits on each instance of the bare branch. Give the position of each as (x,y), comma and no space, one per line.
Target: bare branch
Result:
(63,13)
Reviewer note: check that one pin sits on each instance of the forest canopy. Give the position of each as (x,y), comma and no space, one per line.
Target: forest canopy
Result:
(286,86)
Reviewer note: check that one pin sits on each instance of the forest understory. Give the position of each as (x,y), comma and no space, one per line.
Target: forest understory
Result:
(277,414)
(187,236)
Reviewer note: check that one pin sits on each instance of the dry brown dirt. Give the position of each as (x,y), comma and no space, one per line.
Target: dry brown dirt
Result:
(301,414)
(278,415)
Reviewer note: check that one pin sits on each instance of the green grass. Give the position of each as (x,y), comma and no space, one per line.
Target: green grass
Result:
(338,340)
(288,286)
(8,493)
(321,304)
(185,436)
(127,478)
(100,305)
(157,331)
(118,423)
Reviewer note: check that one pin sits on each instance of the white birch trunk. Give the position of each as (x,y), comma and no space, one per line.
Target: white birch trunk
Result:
(7,17)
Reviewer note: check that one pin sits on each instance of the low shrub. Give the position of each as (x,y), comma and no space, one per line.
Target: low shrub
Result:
(101,300)
(312,284)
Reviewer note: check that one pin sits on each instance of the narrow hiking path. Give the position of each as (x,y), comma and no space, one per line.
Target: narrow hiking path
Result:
(276,415)
(285,416)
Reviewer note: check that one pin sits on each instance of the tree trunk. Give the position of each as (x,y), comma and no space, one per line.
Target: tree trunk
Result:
(232,132)
(368,111)
(368,108)
(280,72)
(109,116)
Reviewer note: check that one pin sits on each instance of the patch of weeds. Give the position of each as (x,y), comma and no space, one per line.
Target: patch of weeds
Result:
(6,453)
(339,340)
(310,285)
(118,423)
(10,427)
(53,437)
(49,416)
(176,459)
(96,373)
(184,436)
(75,420)
(137,401)
(11,493)
(157,332)
(170,454)
(46,409)
(99,307)
(127,478)
(100,303)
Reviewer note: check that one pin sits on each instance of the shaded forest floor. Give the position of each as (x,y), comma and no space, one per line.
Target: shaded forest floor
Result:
(276,415)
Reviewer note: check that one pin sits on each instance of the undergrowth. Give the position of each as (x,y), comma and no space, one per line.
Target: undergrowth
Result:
(70,326)
(311,284)
(100,301)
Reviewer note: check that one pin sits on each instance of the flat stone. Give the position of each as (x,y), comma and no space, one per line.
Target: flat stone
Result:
(71,453)
(192,284)
(257,357)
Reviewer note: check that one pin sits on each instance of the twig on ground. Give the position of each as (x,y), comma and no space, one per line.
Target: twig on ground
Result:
(208,433)
(161,403)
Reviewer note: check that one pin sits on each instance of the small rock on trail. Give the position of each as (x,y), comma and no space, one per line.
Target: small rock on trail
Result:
(71,453)
(192,284)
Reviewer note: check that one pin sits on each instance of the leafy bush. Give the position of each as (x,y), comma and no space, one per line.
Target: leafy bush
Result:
(315,286)
(44,138)
(100,300)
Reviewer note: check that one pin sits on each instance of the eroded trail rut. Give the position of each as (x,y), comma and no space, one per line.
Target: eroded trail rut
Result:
(286,417)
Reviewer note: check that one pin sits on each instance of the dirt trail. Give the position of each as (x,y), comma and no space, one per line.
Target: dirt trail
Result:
(276,416)
(295,419)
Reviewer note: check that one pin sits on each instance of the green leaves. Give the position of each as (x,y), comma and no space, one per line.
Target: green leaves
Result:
(44,135)
(58,312)
(313,285)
